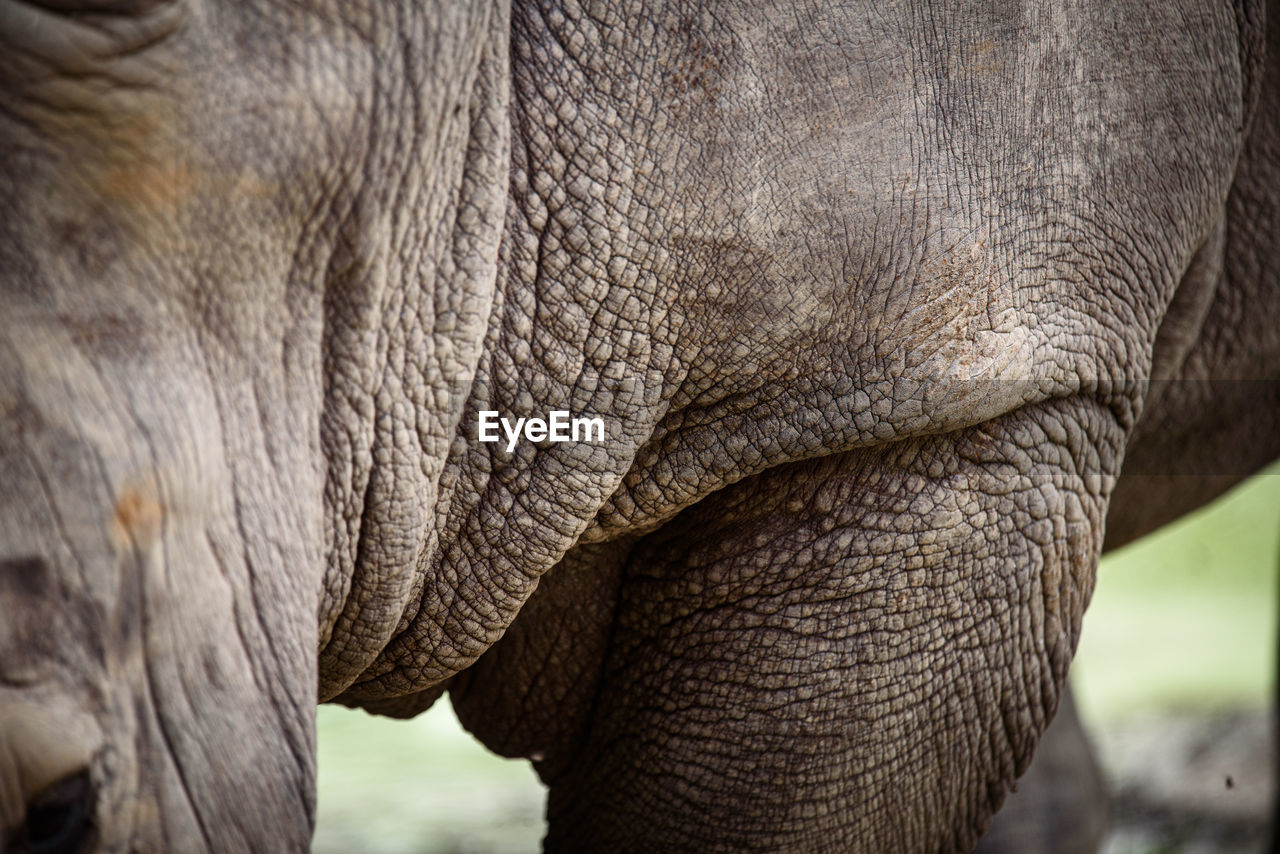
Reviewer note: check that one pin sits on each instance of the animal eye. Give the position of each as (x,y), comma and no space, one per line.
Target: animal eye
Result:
(99,7)
(59,819)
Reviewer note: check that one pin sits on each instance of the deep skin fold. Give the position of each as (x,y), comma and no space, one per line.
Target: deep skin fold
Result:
(867,301)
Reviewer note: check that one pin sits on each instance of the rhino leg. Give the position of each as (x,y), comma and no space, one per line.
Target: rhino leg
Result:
(1060,805)
(839,655)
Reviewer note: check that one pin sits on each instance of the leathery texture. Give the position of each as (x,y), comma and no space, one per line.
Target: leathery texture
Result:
(866,297)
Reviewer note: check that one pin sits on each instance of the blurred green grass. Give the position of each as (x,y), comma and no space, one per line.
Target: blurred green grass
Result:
(1185,618)
(1181,619)
(422,786)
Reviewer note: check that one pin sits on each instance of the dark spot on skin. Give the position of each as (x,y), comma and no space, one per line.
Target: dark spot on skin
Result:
(126,623)
(40,611)
(91,239)
(107,336)
(33,612)
(24,577)
(215,676)
(1231,784)
(701,60)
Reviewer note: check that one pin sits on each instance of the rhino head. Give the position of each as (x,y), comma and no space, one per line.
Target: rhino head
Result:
(198,225)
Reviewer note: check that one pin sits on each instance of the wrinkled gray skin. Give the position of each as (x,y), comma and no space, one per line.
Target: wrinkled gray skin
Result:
(868,298)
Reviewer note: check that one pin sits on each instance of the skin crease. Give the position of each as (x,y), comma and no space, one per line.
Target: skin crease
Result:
(867,298)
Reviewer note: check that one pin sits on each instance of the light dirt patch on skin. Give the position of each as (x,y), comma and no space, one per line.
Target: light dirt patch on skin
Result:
(967,332)
(142,162)
(134,160)
(131,163)
(119,174)
(159,185)
(137,518)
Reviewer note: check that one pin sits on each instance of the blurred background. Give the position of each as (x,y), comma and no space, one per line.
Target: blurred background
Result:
(1174,678)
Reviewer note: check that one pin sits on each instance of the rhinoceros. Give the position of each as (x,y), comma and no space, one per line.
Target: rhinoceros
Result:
(873,304)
